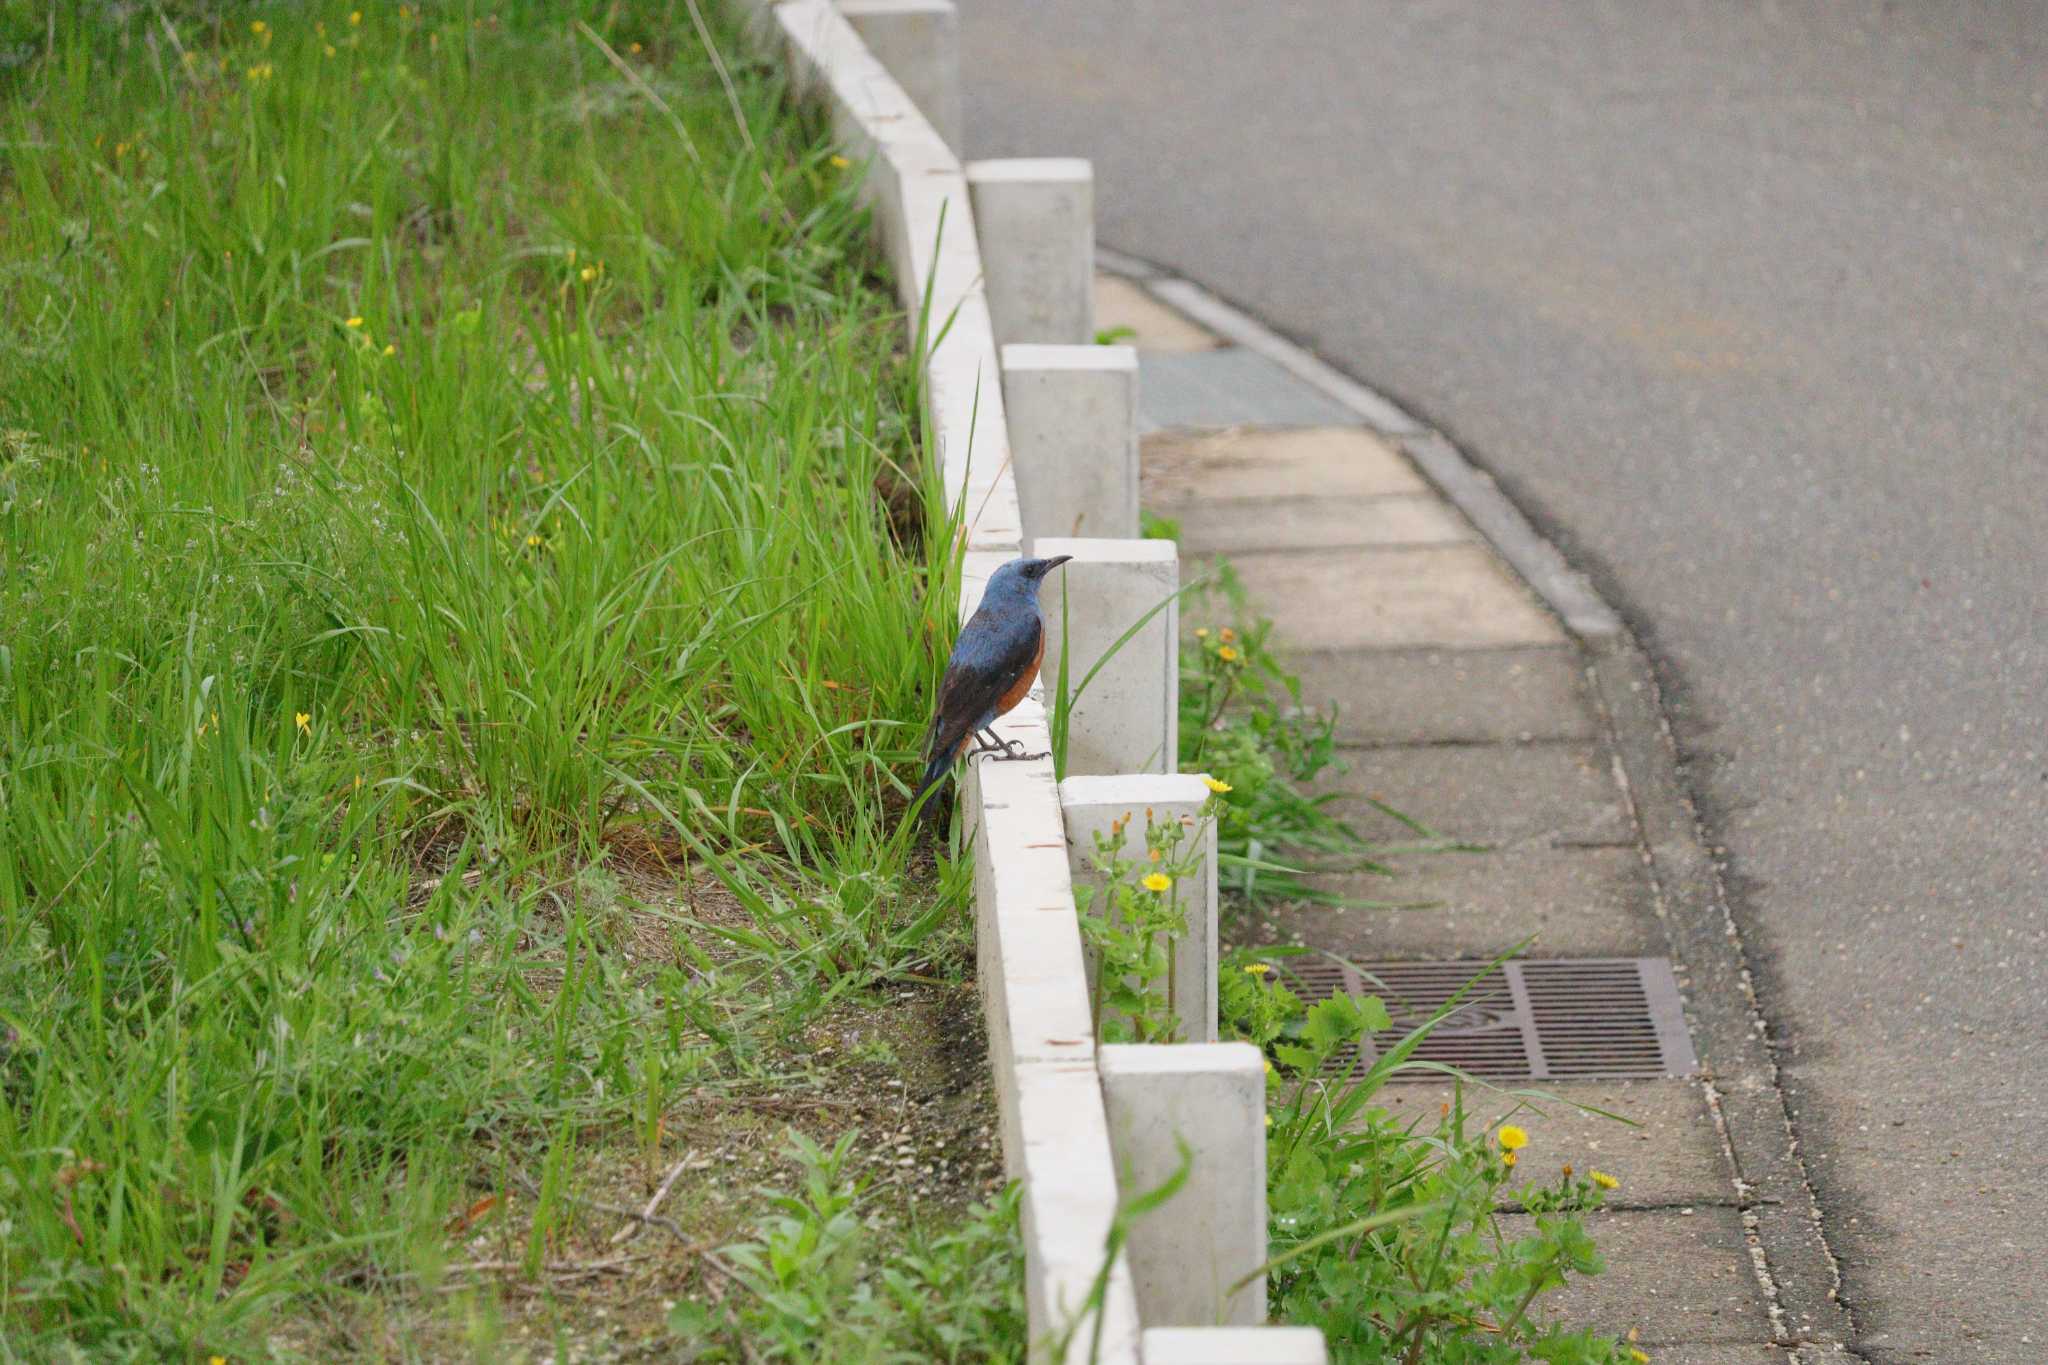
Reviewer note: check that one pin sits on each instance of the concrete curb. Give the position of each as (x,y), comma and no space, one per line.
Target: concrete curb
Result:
(1055,1125)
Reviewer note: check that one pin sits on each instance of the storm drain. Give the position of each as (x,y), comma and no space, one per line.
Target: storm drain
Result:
(1557,1019)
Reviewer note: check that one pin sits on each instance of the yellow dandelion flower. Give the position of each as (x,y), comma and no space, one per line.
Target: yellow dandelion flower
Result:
(840,163)
(1215,785)
(1201,632)
(355,18)
(1603,1180)
(261,72)
(1157,881)
(532,541)
(1638,1357)
(259,28)
(216,1360)
(1256,968)
(1227,654)
(1512,1138)
(587,274)
(390,349)
(1507,1159)
(353,323)
(304,720)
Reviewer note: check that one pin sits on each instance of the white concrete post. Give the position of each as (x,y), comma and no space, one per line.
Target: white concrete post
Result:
(919,41)
(1186,1254)
(1035,217)
(1074,437)
(1127,721)
(1091,805)
(1234,1346)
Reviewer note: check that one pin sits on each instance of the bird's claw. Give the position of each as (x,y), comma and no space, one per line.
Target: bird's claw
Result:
(1013,752)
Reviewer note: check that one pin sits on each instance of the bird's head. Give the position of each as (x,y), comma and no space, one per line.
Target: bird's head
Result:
(1035,570)
(1022,577)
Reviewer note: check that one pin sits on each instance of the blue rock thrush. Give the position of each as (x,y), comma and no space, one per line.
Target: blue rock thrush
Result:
(993,663)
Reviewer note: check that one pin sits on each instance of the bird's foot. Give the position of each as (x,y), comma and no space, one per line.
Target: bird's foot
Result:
(1013,752)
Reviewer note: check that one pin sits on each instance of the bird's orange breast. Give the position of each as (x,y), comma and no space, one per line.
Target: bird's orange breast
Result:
(1016,691)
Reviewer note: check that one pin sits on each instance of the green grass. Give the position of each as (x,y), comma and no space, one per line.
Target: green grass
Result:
(441,474)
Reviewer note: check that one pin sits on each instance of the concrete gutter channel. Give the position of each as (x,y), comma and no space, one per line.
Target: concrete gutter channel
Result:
(1403,577)
(1452,715)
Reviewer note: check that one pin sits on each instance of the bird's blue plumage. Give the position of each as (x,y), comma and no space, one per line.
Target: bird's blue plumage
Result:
(991,664)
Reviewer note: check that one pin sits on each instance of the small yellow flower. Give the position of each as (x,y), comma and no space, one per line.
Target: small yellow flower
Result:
(1507,1159)
(1157,881)
(1226,635)
(327,49)
(532,541)
(840,163)
(353,322)
(1256,968)
(260,29)
(1512,1138)
(1269,1120)
(355,18)
(1227,654)
(1638,1357)
(1201,632)
(588,273)
(1603,1180)
(390,349)
(216,1360)
(261,72)
(1215,785)
(304,720)
(632,47)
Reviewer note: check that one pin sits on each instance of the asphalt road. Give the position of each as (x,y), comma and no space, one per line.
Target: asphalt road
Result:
(1747,305)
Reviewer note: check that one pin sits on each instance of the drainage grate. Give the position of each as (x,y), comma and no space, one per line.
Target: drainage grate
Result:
(1555,1019)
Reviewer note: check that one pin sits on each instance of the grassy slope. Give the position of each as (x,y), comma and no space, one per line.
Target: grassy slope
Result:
(461,622)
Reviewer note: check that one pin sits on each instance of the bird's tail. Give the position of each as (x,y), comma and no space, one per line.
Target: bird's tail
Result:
(934,773)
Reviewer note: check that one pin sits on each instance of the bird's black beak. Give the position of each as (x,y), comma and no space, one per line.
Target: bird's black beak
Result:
(1054,563)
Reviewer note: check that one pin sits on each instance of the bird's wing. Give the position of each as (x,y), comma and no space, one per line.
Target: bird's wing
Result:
(986,662)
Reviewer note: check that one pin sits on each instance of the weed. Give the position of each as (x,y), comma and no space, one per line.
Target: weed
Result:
(444,472)
(821,1284)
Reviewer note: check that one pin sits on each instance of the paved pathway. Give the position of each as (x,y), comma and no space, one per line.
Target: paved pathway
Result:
(1464,704)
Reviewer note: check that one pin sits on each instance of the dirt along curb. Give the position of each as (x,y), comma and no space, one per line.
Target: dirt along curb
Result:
(1490,692)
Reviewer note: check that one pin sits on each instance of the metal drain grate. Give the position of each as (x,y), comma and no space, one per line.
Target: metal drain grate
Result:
(1557,1019)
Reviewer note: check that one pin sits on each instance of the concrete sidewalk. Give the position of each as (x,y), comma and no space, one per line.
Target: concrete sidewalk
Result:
(1465,704)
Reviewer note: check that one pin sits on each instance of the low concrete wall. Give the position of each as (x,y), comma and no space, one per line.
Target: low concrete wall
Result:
(1049,1082)
(1041,1045)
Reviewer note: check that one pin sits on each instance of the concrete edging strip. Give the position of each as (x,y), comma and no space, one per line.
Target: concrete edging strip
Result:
(1041,1045)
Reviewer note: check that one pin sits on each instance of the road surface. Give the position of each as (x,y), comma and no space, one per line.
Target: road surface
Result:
(1747,305)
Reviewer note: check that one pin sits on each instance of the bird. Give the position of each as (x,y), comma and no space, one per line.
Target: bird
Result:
(991,668)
